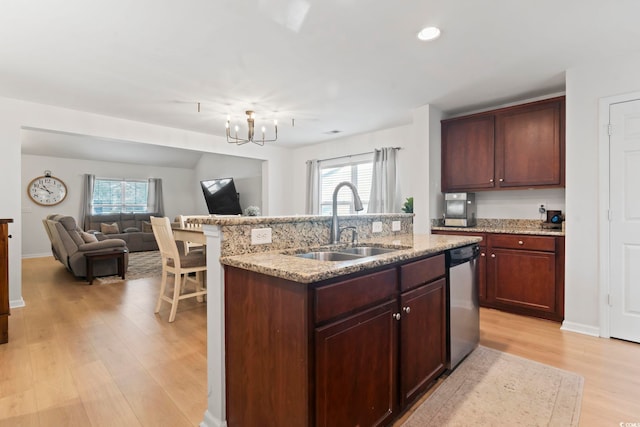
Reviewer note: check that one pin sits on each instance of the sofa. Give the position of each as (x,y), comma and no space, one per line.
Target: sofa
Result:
(69,244)
(133,228)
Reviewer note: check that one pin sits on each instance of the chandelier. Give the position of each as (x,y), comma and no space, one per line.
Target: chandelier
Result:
(251,136)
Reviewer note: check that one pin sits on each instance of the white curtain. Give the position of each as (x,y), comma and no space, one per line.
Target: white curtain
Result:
(87,198)
(385,185)
(312,205)
(155,201)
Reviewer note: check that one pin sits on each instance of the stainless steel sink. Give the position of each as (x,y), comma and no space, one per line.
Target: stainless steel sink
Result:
(345,254)
(367,250)
(329,256)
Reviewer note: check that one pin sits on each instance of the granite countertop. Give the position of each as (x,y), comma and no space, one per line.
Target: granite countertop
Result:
(506,226)
(284,265)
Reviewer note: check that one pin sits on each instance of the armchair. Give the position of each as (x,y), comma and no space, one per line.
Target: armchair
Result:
(69,244)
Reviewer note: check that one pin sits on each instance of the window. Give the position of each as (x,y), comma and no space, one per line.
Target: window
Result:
(119,195)
(355,169)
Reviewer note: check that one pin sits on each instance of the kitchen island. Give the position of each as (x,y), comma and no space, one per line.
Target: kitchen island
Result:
(274,321)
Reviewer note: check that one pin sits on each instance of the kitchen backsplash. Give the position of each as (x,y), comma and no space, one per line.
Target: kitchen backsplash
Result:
(300,231)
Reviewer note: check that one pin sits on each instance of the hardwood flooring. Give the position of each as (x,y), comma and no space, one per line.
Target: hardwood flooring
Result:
(96,355)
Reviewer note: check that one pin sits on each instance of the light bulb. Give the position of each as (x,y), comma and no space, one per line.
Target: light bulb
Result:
(429,33)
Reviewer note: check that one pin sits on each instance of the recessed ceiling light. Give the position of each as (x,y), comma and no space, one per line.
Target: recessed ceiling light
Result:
(429,33)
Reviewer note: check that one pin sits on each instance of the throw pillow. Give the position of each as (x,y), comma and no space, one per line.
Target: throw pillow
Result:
(146,227)
(88,237)
(109,228)
(131,230)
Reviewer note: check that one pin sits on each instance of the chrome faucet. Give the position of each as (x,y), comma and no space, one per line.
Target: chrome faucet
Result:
(335,230)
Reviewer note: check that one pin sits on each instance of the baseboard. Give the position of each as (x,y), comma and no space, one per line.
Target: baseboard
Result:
(17,303)
(211,421)
(580,328)
(43,255)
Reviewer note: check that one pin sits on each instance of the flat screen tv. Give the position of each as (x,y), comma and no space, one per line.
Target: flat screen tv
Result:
(221,196)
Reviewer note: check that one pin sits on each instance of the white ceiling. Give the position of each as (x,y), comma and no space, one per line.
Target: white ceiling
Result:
(348,65)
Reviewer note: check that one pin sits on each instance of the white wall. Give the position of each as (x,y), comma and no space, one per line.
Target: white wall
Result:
(586,84)
(16,114)
(413,160)
(246,174)
(176,183)
(521,204)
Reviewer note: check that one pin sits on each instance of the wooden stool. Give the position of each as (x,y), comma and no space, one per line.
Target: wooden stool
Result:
(115,254)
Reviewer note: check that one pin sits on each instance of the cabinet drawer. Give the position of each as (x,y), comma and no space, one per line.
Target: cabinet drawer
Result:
(423,271)
(521,241)
(344,297)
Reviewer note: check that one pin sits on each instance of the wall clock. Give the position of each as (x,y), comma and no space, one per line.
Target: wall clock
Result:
(47,190)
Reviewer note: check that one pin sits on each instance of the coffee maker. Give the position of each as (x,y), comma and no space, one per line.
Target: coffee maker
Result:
(459,209)
(554,220)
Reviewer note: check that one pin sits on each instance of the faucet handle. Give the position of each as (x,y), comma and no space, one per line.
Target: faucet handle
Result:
(354,234)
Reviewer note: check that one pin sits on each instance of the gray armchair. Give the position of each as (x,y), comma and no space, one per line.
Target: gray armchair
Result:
(69,244)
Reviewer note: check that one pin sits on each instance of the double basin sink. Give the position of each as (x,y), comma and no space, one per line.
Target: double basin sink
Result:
(346,254)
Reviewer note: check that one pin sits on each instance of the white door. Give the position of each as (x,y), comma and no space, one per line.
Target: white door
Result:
(624,284)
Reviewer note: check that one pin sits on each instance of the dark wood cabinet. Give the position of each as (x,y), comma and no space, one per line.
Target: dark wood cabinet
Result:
(525,274)
(468,154)
(515,147)
(423,350)
(4,280)
(356,372)
(521,273)
(530,145)
(343,352)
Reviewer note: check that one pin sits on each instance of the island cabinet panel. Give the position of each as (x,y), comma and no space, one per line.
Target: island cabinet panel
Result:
(420,272)
(268,367)
(328,353)
(352,294)
(522,146)
(356,369)
(468,155)
(423,350)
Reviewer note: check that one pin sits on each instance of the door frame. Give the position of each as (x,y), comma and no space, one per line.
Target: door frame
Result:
(604,194)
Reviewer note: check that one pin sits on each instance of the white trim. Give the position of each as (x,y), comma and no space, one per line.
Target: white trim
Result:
(17,303)
(580,328)
(42,255)
(215,415)
(603,206)
(211,421)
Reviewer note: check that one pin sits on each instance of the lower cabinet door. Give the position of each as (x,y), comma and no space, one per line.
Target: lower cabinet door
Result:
(524,279)
(356,369)
(423,353)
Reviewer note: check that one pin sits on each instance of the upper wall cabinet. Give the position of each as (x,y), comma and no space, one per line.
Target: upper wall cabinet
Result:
(510,148)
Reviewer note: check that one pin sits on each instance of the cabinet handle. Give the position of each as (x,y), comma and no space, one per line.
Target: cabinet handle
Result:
(520,242)
(483,254)
(396,316)
(406,309)
(493,255)
(491,180)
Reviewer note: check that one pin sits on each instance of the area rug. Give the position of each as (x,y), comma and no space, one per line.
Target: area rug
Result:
(141,265)
(491,388)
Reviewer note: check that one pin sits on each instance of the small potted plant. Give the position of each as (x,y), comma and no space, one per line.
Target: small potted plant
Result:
(408,205)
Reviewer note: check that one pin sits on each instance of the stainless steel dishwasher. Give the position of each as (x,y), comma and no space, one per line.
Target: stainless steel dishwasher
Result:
(463,318)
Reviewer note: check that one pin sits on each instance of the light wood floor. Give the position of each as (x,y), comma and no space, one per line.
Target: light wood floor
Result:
(96,355)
